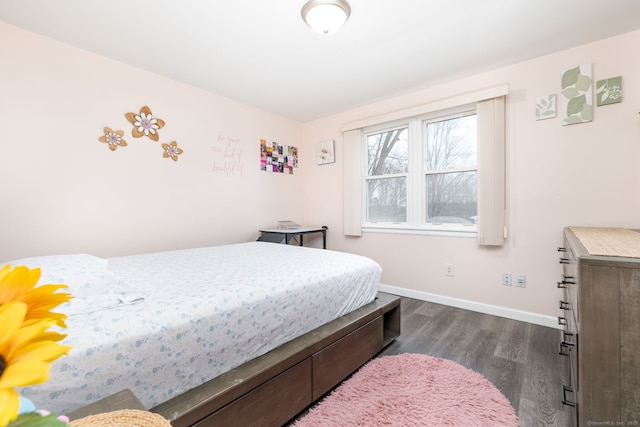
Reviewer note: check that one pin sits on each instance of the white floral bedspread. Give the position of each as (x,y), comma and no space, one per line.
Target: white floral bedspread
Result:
(160,324)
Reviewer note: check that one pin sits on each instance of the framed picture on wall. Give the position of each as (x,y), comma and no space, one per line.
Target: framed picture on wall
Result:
(325,152)
(577,95)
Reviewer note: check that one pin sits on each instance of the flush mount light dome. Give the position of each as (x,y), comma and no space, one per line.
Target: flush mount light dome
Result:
(326,16)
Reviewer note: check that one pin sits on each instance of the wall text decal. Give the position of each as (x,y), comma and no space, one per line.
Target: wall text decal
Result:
(227,156)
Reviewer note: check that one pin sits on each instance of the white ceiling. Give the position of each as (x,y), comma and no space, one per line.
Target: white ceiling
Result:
(260,52)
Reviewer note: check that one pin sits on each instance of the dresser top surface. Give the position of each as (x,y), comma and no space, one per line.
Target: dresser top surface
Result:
(609,242)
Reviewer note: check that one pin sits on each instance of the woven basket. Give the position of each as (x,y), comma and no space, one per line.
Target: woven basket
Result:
(122,418)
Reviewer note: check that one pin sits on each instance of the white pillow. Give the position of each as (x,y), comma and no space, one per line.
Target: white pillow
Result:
(92,285)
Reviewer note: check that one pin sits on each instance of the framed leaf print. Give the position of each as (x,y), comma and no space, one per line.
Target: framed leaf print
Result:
(546,107)
(577,95)
(609,91)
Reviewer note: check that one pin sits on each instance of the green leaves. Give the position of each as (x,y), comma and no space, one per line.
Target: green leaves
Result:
(570,77)
(609,91)
(33,419)
(546,107)
(576,104)
(576,87)
(574,79)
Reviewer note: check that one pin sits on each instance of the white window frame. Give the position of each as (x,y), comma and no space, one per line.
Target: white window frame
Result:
(415,175)
(451,113)
(491,225)
(385,127)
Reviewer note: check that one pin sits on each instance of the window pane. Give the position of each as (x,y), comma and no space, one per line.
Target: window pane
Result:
(452,197)
(451,143)
(387,200)
(388,152)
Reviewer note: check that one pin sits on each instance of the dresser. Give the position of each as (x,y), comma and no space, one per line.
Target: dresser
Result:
(600,340)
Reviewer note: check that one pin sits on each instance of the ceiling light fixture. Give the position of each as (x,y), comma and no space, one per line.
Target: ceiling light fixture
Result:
(326,16)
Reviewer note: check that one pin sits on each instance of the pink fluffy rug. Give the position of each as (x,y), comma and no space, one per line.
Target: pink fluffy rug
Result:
(412,390)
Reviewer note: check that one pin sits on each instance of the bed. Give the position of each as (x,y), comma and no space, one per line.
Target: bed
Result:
(240,334)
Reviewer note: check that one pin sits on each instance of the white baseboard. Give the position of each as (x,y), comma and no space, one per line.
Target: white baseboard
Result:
(509,313)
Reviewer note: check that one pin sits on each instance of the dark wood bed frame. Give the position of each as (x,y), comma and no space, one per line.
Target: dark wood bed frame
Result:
(272,389)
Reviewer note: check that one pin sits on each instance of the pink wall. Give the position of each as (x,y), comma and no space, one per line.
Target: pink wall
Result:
(63,191)
(584,174)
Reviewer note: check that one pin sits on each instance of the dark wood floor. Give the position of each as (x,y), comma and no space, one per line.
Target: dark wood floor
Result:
(520,359)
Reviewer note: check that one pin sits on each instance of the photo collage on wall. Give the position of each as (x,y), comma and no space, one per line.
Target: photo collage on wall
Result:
(278,158)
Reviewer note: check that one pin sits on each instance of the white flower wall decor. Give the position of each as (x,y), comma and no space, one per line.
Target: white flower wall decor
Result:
(171,151)
(113,138)
(145,124)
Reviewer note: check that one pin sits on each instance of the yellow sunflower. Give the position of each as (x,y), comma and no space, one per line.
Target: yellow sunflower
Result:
(19,284)
(26,350)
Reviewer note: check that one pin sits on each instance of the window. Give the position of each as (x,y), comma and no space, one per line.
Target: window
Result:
(451,171)
(387,174)
(422,173)
(417,168)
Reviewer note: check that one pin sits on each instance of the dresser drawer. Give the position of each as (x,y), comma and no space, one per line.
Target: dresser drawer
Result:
(600,341)
(568,346)
(569,282)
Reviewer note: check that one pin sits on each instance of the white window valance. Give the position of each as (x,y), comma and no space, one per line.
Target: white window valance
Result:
(437,105)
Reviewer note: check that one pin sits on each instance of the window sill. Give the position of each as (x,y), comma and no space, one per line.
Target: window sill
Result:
(421,232)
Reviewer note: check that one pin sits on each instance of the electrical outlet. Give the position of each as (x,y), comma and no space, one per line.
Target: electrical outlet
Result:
(521,280)
(506,279)
(449,270)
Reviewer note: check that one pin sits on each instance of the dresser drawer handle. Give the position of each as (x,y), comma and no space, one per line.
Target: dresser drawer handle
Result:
(561,249)
(566,334)
(562,320)
(564,260)
(564,305)
(564,346)
(563,284)
(565,401)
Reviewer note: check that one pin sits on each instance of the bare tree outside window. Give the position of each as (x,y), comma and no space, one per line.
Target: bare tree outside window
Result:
(439,155)
(388,162)
(451,175)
